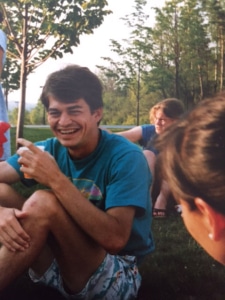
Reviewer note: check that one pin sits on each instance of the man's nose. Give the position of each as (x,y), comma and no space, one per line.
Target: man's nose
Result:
(64,119)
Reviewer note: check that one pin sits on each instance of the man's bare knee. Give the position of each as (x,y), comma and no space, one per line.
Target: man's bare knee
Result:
(41,203)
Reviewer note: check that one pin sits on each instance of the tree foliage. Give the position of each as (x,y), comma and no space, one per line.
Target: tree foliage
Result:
(131,70)
(181,56)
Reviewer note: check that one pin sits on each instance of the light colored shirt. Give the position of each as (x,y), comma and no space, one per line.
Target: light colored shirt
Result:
(3,45)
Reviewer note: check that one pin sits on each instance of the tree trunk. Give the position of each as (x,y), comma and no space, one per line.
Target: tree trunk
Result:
(23,79)
(221,57)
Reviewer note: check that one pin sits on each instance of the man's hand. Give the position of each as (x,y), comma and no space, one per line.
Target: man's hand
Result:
(38,164)
(12,235)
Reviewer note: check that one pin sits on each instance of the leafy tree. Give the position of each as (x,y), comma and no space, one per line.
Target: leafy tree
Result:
(215,15)
(38,114)
(166,54)
(38,30)
(181,60)
(130,71)
(13,116)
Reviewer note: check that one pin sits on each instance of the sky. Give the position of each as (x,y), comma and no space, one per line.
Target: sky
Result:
(91,48)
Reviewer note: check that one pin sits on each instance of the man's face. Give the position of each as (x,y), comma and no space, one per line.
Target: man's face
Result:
(74,125)
(161,121)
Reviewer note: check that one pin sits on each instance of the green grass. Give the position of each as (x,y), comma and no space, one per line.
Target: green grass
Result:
(178,269)
(31,134)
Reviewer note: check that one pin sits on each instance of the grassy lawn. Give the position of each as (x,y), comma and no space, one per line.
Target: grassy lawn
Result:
(31,134)
(178,268)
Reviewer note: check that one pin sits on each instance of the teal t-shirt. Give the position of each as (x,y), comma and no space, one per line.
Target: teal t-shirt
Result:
(115,174)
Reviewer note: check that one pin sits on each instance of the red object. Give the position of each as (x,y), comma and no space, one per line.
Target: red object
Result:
(4,126)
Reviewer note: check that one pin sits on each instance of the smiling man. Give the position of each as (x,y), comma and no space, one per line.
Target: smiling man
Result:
(87,233)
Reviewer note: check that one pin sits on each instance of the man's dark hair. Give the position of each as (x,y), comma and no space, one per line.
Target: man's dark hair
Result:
(73,83)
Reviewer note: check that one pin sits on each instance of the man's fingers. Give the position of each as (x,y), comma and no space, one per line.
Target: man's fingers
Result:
(12,234)
(14,242)
(20,214)
(27,144)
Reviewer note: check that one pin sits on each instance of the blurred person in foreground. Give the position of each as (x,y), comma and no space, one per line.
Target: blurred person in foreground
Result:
(5,147)
(161,116)
(192,160)
(87,233)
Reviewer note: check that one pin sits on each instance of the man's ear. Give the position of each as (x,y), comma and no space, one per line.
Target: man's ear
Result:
(98,114)
(214,221)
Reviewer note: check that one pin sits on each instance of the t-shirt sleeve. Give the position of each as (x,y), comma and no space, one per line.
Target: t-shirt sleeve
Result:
(148,136)
(13,161)
(129,183)
(148,131)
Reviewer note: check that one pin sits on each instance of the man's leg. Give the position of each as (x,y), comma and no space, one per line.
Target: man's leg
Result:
(77,254)
(9,197)
(150,157)
(12,264)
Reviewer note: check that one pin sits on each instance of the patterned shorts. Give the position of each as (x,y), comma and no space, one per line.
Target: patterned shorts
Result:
(117,278)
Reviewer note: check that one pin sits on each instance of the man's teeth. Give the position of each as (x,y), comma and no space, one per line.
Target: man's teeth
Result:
(68,131)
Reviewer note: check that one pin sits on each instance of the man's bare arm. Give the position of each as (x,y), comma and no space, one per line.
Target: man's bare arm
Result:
(8,174)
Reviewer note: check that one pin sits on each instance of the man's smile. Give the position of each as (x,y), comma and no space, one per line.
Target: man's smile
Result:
(68,131)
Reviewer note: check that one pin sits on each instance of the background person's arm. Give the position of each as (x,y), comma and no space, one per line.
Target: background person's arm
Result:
(134,134)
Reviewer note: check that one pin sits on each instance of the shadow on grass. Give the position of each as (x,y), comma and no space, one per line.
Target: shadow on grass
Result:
(24,289)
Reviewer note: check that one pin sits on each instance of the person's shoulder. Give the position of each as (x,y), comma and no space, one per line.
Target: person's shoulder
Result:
(118,143)
(121,152)
(148,128)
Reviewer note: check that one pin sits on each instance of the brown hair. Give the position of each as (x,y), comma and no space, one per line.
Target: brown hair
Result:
(171,107)
(72,83)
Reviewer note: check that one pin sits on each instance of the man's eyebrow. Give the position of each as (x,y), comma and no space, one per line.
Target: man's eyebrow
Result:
(75,106)
(52,109)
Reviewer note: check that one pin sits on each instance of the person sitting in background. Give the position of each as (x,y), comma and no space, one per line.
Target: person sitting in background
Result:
(192,161)
(88,232)
(161,116)
(143,135)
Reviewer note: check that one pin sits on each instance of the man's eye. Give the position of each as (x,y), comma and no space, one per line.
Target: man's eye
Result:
(54,113)
(74,112)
